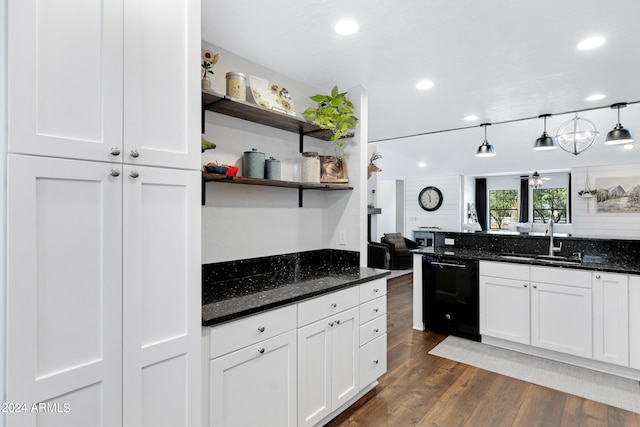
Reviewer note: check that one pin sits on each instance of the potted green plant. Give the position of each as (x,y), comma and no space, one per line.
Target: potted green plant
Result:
(333,112)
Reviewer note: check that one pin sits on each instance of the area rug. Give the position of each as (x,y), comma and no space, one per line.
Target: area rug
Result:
(605,388)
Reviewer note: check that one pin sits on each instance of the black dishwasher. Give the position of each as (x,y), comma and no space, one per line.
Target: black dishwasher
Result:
(450,303)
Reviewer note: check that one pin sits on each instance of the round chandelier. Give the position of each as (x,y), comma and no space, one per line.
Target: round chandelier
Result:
(576,135)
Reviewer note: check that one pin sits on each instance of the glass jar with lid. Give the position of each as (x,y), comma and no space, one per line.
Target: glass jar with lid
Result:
(310,167)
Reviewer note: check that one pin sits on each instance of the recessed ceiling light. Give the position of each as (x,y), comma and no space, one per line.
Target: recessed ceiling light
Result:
(422,164)
(595,97)
(471,118)
(346,27)
(424,84)
(591,43)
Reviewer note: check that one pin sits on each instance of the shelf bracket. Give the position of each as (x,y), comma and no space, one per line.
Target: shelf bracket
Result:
(301,142)
(300,197)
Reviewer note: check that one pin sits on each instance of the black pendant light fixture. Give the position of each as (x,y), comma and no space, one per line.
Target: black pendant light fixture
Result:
(485,149)
(535,181)
(546,141)
(619,135)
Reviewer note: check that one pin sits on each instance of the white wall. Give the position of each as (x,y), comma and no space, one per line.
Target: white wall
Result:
(587,220)
(241,221)
(3,149)
(391,201)
(448,217)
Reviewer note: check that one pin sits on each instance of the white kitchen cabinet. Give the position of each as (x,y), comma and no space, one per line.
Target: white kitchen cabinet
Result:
(505,301)
(634,321)
(120,84)
(328,365)
(561,310)
(611,318)
(161,296)
(504,308)
(255,385)
(373,331)
(64,290)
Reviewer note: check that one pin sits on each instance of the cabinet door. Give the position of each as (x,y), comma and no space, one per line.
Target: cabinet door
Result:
(65,78)
(345,357)
(162,99)
(634,322)
(504,309)
(64,272)
(255,386)
(161,297)
(561,318)
(611,318)
(314,372)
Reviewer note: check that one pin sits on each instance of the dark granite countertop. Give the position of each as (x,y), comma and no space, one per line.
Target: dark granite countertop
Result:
(236,298)
(590,262)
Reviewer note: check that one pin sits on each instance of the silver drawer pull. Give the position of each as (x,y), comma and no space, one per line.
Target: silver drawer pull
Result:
(134,173)
(376,330)
(330,323)
(334,305)
(375,361)
(337,322)
(115,151)
(260,328)
(375,310)
(115,172)
(375,290)
(261,350)
(134,153)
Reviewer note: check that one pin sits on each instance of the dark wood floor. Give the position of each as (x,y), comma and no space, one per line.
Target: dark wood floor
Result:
(424,390)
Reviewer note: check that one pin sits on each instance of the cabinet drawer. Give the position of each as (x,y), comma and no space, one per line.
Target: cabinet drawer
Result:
(373,289)
(372,309)
(507,270)
(373,360)
(326,305)
(250,330)
(561,276)
(373,329)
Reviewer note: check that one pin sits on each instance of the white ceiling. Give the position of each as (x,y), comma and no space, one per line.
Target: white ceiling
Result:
(501,60)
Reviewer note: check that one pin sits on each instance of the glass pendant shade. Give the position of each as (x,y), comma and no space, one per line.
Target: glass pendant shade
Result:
(619,135)
(576,135)
(485,149)
(535,181)
(546,141)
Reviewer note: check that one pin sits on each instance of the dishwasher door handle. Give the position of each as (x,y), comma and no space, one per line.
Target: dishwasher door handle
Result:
(446,264)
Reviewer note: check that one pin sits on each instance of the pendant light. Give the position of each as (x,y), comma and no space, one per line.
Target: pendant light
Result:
(485,149)
(546,141)
(576,135)
(619,135)
(535,181)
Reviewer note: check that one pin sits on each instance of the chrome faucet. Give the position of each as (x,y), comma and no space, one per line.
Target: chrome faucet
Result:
(552,248)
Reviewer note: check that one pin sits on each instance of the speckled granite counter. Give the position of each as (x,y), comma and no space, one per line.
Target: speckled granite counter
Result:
(237,289)
(611,255)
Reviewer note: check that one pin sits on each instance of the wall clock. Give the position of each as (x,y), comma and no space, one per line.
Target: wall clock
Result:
(430,198)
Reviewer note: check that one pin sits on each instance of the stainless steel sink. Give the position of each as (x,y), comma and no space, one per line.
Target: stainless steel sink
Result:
(551,259)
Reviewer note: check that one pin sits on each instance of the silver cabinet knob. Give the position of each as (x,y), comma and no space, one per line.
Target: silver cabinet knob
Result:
(115,151)
(334,305)
(447,316)
(134,153)
(261,350)
(115,172)
(375,290)
(535,286)
(376,330)
(330,323)
(337,322)
(375,310)
(525,285)
(597,276)
(375,361)
(134,173)
(260,328)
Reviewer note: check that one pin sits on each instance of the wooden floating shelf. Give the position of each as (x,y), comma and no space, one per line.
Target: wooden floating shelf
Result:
(213,177)
(222,104)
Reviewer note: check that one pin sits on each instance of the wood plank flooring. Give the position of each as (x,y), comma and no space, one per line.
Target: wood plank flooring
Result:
(424,390)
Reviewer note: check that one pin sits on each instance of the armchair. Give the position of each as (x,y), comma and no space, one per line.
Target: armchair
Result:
(378,255)
(399,250)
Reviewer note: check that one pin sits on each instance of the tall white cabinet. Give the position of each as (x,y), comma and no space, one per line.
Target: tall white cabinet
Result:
(103,216)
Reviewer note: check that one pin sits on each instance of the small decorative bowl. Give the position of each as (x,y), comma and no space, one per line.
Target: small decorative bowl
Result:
(216,169)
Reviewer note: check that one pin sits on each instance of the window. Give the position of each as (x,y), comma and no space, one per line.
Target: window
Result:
(550,203)
(503,208)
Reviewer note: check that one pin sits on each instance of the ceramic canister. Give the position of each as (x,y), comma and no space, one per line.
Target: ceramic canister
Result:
(272,168)
(236,85)
(253,164)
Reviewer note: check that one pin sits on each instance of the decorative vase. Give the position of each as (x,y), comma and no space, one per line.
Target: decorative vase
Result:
(206,84)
